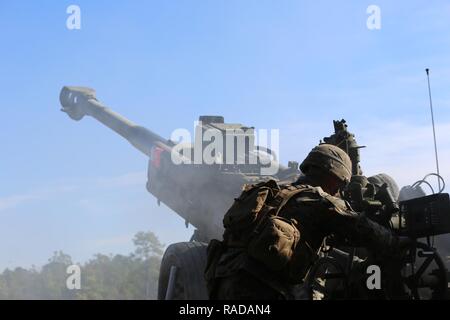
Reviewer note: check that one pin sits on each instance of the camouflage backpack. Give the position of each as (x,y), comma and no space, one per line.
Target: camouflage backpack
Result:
(253,222)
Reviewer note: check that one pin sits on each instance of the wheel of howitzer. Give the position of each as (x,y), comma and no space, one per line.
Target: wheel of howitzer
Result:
(430,277)
(182,272)
(327,278)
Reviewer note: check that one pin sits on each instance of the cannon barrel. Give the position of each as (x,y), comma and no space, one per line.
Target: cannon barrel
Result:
(80,101)
(199,193)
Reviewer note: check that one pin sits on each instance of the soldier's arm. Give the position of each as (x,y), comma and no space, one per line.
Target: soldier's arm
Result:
(358,229)
(331,215)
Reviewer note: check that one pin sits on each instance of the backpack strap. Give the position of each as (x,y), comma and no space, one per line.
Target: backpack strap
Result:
(287,194)
(281,199)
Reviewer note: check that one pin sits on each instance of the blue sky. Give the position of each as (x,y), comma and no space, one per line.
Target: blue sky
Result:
(290,65)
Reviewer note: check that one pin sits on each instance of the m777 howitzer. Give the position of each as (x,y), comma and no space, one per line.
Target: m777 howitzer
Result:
(200,193)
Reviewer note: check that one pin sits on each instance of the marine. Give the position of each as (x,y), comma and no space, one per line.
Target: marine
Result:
(273,233)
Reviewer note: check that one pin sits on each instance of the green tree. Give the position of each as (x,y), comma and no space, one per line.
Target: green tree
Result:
(147,245)
(133,276)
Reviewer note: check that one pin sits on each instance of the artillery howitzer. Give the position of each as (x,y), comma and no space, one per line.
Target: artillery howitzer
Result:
(199,193)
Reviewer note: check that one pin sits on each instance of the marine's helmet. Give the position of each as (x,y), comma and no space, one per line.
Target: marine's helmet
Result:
(328,159)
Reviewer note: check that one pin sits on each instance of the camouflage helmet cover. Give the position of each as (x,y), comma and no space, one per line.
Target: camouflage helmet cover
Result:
(329,159)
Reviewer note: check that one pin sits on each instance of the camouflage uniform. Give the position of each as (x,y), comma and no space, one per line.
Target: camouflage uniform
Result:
(318,214)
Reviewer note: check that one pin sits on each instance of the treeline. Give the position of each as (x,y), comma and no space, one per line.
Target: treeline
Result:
(133,276)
